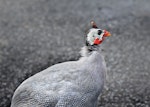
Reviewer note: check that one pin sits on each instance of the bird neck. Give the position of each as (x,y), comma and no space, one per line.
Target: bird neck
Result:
(88,50)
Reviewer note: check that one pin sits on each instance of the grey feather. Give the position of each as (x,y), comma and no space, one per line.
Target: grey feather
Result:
(69,84)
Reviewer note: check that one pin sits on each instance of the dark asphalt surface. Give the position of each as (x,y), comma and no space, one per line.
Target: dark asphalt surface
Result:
(35,34)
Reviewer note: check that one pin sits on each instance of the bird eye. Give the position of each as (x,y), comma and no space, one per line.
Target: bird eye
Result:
(99,32)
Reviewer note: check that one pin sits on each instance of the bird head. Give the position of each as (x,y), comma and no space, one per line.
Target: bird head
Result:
(95,36)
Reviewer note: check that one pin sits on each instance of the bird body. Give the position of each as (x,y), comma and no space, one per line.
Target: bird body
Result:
(68,84)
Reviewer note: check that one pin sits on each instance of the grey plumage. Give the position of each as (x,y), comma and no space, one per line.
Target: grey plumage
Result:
(69,84)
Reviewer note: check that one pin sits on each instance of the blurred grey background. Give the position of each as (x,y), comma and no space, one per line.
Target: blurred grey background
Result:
(35,34)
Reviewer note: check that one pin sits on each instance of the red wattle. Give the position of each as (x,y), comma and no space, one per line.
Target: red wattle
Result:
(97,41)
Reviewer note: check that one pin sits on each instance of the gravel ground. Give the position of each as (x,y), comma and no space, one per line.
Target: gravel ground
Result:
(35,34)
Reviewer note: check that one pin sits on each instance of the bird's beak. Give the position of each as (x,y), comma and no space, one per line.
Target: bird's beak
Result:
(106,33)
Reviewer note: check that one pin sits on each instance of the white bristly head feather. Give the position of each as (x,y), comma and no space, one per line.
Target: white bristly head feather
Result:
(93,34)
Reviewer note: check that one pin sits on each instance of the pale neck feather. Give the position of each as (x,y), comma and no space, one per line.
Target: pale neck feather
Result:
(93,59)
(86,52)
